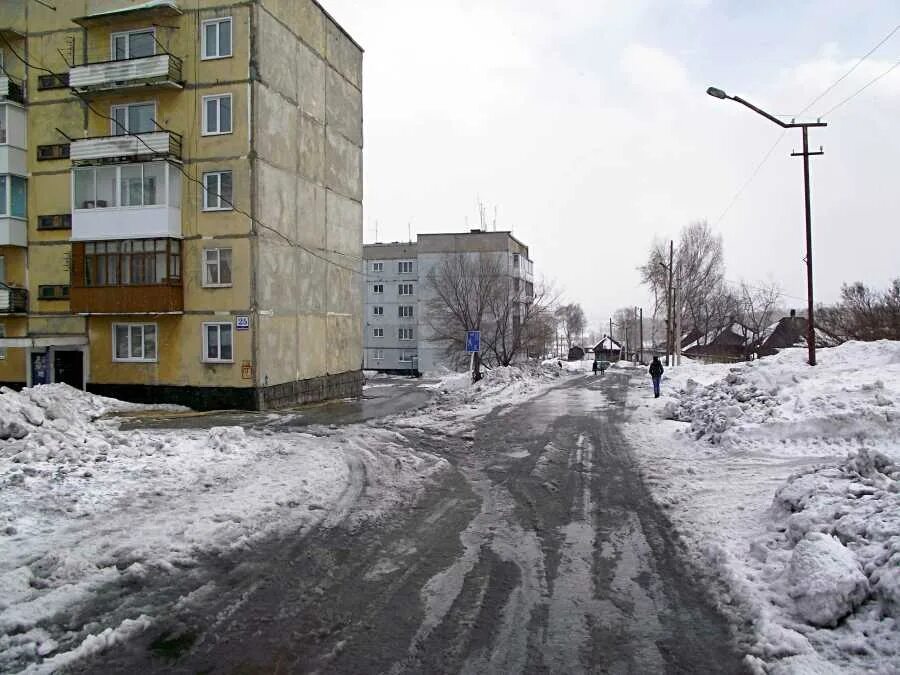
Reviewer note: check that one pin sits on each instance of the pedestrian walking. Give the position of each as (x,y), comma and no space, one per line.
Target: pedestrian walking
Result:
(656,371)
(595,368)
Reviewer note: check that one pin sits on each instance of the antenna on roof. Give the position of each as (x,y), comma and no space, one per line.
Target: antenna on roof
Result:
(376,230)
(409,231)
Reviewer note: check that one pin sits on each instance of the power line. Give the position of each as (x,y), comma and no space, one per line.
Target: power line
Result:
(854,67)
(752,176)
(863,88)
(199,182)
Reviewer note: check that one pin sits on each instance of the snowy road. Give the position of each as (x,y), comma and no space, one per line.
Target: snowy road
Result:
(540,552)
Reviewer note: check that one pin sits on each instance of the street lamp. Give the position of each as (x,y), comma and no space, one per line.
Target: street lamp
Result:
(810,324)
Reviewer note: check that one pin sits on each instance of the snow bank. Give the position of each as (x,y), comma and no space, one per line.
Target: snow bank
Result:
(784,479)
(87,510)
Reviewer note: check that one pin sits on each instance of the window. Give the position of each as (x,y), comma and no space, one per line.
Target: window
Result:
(2,334)
(217,267)
(515,260)
(2,124)
(217,345)
(132,44)
(2,269)
(405,289)
(406,357)
(404,267)
(378,332)
(134,118)
(378,354)
(52,151)
(134,341)
(215,38)
(218,195)
(405,333)
(405,311)
(126,185)
(378,310)
(378,267)
(378,288)
(13,196)
(145,262)
(60,221)
(53,81)
(217,114)
(53,292)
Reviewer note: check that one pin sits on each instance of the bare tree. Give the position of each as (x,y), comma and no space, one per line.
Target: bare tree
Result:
(759,306)
(571,318)
(477,291)
(864,313)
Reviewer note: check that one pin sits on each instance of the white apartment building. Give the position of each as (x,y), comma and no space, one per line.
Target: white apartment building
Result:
(397,336)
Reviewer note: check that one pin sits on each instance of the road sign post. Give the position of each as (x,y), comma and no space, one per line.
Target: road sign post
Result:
(473,347)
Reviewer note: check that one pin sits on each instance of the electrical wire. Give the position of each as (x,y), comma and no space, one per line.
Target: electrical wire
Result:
(751,178)
(862,89)
(844,76)
(199,182)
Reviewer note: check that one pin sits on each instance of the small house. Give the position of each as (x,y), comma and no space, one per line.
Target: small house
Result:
(608,350)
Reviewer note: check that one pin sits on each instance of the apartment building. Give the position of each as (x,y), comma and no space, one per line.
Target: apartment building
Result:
(398,294)
(181,200)
(391,292)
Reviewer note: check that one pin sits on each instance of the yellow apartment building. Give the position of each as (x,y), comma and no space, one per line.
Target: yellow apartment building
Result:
(181,200)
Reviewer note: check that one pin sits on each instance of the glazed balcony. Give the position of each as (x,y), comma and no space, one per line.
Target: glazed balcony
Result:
(13,300)
(122,147)
(145,72)
(11,90)
(126,201)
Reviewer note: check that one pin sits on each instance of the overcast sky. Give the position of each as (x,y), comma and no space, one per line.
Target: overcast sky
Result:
(586,124)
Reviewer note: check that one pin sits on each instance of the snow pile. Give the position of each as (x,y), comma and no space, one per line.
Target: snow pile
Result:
(89,512)
(784,480)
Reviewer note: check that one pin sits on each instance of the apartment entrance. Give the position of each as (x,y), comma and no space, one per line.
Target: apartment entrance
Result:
(68,367)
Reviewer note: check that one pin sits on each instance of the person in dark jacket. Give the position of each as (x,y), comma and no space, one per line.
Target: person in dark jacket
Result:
(595,368)
(656,371)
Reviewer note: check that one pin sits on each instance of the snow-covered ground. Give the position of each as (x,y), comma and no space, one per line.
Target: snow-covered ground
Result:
(784,481)
(85,506)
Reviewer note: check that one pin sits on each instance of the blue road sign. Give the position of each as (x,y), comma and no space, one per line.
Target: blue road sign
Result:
(473,341)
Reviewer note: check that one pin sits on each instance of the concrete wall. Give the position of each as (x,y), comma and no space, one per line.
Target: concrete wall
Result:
(307,136)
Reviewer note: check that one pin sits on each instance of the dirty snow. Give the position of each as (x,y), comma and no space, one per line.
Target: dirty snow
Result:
(784,481)
(86,507)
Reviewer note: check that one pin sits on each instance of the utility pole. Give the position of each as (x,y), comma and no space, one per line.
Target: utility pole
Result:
(670,346)
(641,324)
(810,323)
(676,346)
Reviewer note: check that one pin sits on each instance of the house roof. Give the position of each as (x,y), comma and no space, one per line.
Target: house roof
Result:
(607,344)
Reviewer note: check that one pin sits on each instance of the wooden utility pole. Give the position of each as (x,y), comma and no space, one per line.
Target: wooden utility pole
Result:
(810,323)
(641,324)
(670,346)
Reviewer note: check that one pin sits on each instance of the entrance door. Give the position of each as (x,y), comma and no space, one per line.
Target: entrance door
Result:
(68,367)
(40,368)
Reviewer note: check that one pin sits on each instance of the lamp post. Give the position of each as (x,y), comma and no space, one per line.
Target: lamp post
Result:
(810,323)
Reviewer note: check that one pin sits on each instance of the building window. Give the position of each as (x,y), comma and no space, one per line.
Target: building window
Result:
(134,341)
(515,260)
(2,269)
(2,335)
(215,38)
(378,267)
(144,184)
(132,44)
(53,292)
(378,332)
(378,288)
(405,333)
(405,311)
(378,354)
(217,267)
(217,194)
(406,357)
(217,346)
(134,118)
(217,114)
(405,289)
(145,262)
(378,310)
(13,196)
(404,267)
(3,127)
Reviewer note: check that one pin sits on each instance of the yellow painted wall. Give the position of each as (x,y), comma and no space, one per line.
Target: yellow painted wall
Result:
(14,260)
(12,365)
(233,298)
(48,265)
(180,347)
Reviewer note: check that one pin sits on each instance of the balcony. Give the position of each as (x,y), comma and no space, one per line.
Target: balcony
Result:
(126,201)
(124,147)
(157,71)
(13,300)
(126,277)
(11,91)
(13,140)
